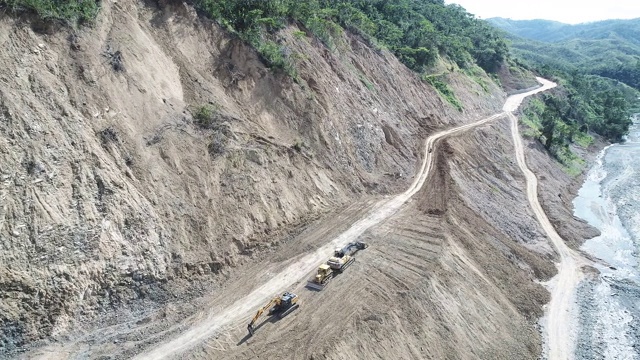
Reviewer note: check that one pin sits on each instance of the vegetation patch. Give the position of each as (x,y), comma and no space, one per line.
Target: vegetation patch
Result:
(277,56)
(572,164)
(69,12)
(298,145)
(299,34)
(583,139)
(365,81)
(206,116)
(476,74)
(443,89)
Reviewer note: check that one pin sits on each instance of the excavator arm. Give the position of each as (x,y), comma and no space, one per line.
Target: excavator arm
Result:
(259,313)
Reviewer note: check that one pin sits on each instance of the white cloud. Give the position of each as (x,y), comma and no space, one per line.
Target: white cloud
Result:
(567,11)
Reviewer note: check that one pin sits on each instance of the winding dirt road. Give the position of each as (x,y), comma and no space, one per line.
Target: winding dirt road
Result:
(212,323)
(558,317)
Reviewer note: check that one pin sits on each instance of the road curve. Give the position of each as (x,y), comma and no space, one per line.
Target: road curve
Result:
(242,308)
(558,321)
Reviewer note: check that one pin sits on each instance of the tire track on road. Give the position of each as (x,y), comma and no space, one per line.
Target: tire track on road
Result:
(558,315)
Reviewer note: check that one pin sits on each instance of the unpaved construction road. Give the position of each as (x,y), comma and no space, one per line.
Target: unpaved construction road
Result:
(558,319)
(211,324)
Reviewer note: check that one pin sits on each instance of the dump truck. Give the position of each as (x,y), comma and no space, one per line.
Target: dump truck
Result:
(279,306)
(341,259)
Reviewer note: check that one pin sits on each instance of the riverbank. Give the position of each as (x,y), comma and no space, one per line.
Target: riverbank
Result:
(597,213)
(609,302)
(556,189)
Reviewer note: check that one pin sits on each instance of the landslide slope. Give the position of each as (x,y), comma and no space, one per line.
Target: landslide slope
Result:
(115,201)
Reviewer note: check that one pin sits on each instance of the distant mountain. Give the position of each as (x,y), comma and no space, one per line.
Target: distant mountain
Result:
(553,31)
(608,48)
(541,30)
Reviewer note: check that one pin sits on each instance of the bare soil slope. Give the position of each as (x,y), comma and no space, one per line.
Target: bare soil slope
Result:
(115,203)
(440,280)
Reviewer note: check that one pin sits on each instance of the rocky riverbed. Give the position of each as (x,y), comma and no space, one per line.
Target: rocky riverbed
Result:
(609,303)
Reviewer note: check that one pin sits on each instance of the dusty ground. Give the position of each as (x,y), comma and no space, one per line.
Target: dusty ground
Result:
(119,224)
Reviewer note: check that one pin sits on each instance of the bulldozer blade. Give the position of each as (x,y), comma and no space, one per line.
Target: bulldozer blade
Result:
(314,285)
(361,245)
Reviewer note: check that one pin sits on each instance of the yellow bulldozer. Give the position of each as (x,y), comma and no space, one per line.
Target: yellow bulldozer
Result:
(322,278)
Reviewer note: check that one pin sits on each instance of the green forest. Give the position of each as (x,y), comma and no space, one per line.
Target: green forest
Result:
(416,31)
(598,68)
(583,105)
(67,12)
(608,48)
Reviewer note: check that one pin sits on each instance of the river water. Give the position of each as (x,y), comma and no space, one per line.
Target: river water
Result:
(609,304)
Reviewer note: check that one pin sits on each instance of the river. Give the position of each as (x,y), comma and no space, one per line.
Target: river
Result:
(609,303)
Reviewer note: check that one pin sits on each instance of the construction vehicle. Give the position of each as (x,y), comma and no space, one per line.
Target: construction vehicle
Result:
(340,260)
(322,278)
(279,306)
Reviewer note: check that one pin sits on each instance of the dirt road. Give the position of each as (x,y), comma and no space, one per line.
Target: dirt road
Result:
(558,319)
(242,307)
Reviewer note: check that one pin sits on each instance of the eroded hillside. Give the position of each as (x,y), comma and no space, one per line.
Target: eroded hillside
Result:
(114,197)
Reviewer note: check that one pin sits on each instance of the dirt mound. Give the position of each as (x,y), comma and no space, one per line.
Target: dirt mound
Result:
(514,78)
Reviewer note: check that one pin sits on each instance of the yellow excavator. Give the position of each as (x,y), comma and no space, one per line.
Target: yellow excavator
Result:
(280,306)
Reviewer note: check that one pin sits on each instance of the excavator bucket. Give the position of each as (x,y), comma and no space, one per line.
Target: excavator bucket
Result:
(361,245)
(279,305)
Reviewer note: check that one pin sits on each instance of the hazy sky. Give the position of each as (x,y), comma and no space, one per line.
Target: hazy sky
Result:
(567,11)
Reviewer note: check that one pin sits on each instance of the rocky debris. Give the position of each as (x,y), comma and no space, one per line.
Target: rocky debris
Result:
(114,57)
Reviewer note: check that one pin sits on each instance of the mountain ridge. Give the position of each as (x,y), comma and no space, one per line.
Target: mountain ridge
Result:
(555,31)
(609,48)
